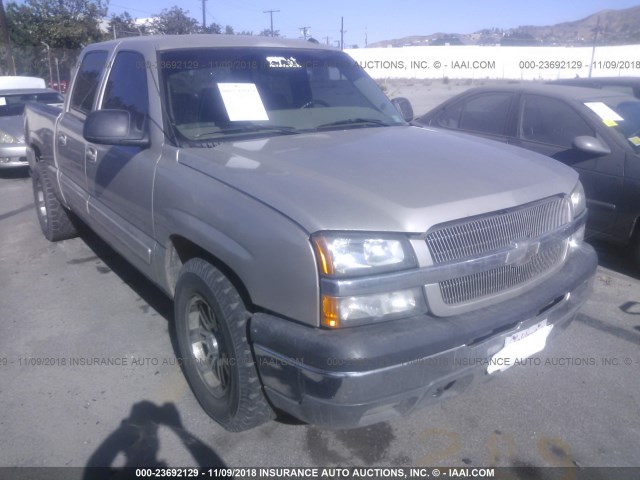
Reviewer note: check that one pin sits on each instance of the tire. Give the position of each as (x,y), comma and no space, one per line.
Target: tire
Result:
(211,326)
(56,222)
(634,249)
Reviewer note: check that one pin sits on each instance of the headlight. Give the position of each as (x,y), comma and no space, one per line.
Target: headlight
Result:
(578,200)
(578,206)
(343,254)
(352,311)
(6,138)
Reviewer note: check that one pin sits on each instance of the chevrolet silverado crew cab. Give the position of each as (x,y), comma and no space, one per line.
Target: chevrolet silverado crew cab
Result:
(325,258)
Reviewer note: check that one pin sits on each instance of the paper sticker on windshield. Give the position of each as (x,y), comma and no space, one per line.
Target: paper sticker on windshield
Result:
(282,62)
(243,102)
(610,123)
(3,101)
(604,112)
(635,141)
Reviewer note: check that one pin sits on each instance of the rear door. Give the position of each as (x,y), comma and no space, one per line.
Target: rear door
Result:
(549,125)
(69,144)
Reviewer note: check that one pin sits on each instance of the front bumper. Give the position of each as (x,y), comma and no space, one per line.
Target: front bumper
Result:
(364,375)
(13,155)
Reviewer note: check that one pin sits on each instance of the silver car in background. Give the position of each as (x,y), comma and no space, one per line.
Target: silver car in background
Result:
(12,102)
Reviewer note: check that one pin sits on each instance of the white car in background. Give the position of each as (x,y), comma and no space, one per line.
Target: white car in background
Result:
(12,147)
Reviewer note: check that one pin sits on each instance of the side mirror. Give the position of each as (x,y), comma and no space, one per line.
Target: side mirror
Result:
(404,108)
(591,145)
(114,127)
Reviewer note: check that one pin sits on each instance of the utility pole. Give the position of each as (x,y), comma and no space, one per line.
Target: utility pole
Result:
(271,12)
(4,35)
(49,59)
(305,32)
(204,17)
(342,32)
(366,41)
(58,75)
(327,39)
(595,40)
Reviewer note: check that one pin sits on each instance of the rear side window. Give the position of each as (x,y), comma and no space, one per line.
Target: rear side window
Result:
(486,113)
(87,81)
(551,121)
(126,87)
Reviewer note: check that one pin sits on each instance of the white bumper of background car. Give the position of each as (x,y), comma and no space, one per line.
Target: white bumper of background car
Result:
(13,155)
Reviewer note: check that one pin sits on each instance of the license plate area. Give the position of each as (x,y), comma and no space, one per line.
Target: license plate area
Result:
(520,345)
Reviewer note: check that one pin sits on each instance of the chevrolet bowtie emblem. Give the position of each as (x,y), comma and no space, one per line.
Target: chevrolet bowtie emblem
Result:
(523,251)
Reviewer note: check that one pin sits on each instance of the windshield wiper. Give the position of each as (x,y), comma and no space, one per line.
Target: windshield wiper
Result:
(284,130)
(371,122)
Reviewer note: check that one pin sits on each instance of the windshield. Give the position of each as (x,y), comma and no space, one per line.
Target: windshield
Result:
(623,116)
(13,104)
(223,94)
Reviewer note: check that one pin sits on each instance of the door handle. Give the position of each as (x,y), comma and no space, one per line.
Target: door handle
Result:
(62,139)
(92,155)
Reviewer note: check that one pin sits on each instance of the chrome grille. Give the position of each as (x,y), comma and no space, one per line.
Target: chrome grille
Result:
(488,233)
(498,230)
(470,287)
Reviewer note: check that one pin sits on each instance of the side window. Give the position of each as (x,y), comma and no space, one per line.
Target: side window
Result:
(550,121)
(449,117)
(126,87)
(486,113)
(87,80)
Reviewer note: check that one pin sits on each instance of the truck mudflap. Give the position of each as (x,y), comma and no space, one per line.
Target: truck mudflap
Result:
(364,375)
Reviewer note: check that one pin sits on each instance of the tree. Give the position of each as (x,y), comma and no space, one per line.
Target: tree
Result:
(213,28)
(124,26)
(267,33)
(228,30)
(64,25)
(174,21)
(60,23)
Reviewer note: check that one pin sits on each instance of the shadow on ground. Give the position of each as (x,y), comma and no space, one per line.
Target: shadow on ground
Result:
(135,444)
(9,173)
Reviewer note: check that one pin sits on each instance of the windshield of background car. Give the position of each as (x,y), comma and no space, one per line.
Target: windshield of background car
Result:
(623,116)
(14,104)
(223,94)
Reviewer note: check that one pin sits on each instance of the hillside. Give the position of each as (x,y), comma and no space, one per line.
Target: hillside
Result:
(617,27)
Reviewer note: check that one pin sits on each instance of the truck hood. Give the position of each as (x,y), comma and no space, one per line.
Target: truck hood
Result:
(402,179)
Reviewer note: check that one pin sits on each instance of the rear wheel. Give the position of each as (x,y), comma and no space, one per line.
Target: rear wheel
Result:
(55,221)
(211,326)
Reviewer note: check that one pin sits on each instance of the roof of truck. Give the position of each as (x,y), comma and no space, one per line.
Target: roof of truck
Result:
(176,42)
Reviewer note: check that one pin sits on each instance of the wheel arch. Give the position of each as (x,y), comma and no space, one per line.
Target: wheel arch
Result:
(181,249)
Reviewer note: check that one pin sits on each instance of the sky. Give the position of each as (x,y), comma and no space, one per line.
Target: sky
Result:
(376,19)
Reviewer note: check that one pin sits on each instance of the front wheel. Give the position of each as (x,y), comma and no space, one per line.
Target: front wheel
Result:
(211,326)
